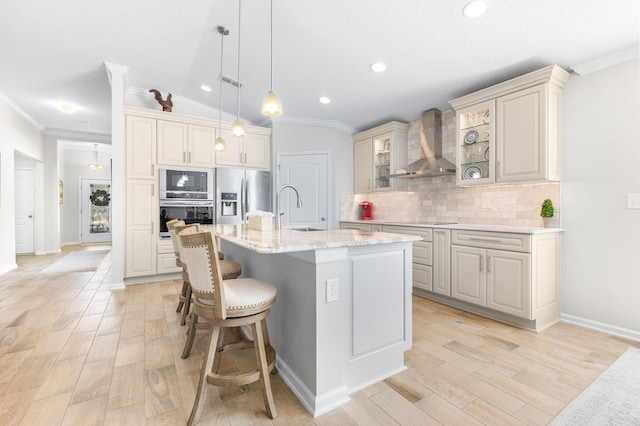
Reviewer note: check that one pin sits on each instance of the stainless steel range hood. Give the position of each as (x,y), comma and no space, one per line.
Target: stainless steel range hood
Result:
(431,142)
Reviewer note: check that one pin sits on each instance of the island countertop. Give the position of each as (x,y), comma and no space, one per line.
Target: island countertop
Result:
(287,240)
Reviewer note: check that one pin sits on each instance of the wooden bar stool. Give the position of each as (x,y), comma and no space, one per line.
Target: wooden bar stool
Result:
(226,304)
(230,269)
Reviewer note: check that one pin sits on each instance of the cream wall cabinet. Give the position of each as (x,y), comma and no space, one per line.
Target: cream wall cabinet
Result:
(378,153)
(511,132)
(252,151)
(140,147)
(182,144)
(156,139)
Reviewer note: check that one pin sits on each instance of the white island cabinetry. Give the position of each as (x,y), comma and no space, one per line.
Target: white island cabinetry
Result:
(329,347)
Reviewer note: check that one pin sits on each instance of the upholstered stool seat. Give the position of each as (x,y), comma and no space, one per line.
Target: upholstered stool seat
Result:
(230,269)
(227,304)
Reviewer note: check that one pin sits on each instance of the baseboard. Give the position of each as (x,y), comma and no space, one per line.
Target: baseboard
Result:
(317,405)
(152,278)
(8,268)
(625,333)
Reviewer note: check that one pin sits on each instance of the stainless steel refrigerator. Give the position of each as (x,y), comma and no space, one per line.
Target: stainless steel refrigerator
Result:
(239,191)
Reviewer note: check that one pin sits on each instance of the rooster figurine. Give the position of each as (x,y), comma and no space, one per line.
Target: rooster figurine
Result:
(166,105)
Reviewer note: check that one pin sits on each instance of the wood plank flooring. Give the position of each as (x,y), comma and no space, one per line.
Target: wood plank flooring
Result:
(73,352)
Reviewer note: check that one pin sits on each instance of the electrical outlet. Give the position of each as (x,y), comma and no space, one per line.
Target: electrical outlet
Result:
(332,290)
(633,201)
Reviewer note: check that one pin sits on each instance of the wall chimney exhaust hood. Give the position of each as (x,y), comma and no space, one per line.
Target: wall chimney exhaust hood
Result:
(431,143)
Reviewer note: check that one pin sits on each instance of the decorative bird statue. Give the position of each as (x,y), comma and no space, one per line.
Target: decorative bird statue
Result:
(166,105)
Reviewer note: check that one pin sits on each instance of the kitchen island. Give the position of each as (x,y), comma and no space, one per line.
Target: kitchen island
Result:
(342,317)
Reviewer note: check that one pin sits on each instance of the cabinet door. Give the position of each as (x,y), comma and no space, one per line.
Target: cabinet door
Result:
(509,282)
(422,277)
(172,143)
(141,228)
(234,155)
(140,147)
(382,160)
(476,144)
(363,166)
(442,261)
(257,151)
(201,140)
(521,148)
(468,278)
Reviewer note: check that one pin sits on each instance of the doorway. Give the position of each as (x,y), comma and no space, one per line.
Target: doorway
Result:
(95,210)
(309,172)
(25,224)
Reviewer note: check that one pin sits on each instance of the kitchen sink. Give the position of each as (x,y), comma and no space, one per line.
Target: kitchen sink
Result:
(306,229)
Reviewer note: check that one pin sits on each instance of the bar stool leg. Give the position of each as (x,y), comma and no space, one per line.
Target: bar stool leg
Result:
(261,358)
(187,303)
(207,364)
(183,292)
(191,334)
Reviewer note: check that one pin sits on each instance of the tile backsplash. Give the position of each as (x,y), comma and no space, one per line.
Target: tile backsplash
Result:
(437,199)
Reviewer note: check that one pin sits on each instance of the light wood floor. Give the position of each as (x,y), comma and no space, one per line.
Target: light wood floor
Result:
(74,352)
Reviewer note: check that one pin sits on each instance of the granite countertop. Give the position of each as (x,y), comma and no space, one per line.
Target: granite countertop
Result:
(463,226)
(290,240)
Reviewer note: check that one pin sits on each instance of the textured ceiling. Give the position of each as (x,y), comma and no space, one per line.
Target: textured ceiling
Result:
(55,51)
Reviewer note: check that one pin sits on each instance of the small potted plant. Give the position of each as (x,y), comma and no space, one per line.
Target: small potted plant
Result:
(546,212)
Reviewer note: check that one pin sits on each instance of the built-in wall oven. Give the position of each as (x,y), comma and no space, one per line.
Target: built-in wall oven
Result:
(186,195)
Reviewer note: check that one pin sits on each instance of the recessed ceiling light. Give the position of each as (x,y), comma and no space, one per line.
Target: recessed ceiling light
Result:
(475,9)
(324,100)
(205,88)
(378,67)
(67,108)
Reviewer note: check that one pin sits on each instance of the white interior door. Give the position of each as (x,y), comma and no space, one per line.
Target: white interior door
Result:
(25,223)
(95,210)
(307,171)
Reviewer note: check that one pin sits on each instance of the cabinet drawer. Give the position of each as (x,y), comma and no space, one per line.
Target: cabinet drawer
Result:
(492,240)
(376,228)
(167,263)
(356,226)
(165,246)
(425,233)
(422,277)
(423,252)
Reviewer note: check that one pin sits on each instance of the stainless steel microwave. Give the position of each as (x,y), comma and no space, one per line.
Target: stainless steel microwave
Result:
(186,184)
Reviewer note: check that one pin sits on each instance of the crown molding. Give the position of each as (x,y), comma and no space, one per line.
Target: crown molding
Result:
(78,135)
(148,99)
(20,112)
(606,61)
(117,69)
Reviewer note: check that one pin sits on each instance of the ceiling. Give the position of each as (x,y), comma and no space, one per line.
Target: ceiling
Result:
(54,51)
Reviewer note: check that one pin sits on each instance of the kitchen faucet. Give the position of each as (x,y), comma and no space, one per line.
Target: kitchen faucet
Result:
(298,203)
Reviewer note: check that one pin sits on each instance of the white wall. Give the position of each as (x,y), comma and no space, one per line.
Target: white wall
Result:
(601,158)
(299,137)
(17,135)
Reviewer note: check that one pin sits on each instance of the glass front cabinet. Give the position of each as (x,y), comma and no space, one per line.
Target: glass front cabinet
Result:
(378,153)
(476,144)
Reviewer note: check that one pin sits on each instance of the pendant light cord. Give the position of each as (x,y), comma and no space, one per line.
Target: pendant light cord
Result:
(222,31)
(238,96)
(271,39)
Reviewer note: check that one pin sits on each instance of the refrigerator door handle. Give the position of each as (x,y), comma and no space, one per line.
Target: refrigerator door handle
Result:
(243,199)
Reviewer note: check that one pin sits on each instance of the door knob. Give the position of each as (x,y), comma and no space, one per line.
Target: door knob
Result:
(30,216)
(323,219)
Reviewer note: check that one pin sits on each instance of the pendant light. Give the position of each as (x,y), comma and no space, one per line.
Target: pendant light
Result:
(271,105)
(220,144)
(238,129)
(94,165)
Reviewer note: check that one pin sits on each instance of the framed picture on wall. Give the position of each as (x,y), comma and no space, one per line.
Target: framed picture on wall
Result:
(60,195)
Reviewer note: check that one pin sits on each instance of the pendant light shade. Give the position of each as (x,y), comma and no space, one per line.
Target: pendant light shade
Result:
(238,130)
(271,105)
(220,144)
(94,165)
